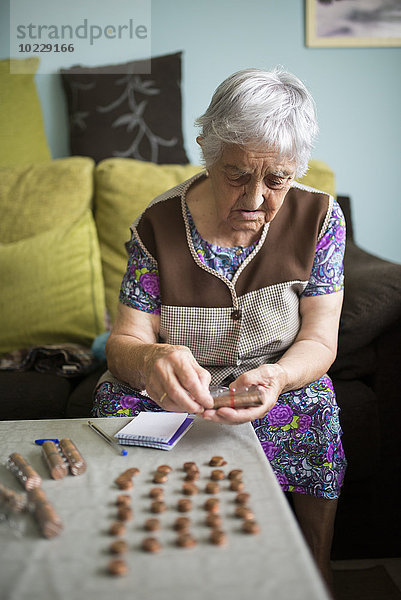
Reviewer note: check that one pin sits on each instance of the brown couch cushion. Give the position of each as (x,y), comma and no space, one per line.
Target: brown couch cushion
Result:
(33,395)
(372,298)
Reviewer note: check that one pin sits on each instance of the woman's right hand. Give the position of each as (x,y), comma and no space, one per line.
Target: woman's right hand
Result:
(175,380)
(171,375)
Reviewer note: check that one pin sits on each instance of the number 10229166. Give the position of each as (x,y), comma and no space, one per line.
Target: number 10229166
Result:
(46,47)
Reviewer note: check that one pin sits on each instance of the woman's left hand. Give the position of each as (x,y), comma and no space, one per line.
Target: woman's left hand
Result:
(270,378)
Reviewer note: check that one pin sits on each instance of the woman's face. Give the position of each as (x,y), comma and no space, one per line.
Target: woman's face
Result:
(249,187)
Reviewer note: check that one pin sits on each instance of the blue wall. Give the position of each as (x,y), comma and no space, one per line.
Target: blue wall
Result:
(357,91)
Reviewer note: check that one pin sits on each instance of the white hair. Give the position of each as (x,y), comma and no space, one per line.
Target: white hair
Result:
(254,108)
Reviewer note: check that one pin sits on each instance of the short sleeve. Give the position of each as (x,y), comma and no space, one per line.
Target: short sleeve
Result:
(327,274)
(140,285)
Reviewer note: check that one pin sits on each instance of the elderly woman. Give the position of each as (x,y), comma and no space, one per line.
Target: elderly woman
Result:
(235,277)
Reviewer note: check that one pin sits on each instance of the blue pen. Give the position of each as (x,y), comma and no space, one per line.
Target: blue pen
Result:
(40,442)
(107,438)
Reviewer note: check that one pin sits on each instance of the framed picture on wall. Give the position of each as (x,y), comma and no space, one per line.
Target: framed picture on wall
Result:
(351,23)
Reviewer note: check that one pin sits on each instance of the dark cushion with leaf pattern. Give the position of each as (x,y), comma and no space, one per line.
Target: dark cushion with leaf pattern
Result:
(115,111)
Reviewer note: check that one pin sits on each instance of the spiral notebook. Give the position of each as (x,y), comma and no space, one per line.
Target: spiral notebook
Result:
(155,429)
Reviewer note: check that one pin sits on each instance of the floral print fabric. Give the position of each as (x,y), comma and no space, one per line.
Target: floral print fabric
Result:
(140,285)
(328,273)
(119,400)
(301,437)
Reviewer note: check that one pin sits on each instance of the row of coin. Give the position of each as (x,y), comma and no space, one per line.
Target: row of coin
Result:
(182,524)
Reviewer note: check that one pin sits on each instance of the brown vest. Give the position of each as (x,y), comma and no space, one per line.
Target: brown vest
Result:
(234,326)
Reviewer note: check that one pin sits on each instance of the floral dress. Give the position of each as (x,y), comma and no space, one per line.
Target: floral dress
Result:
(301,434)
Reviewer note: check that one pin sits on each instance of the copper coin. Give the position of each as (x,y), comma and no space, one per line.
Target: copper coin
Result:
(126,474)
(235,474)
(159,477)
(218,537)
(217,475)
(244,513)
(124,513)
(151,544)
(212,505)
(124,483)
(212,487)
(182,524)
(119,547)
(242,498)
(158,506)
(117,528)
(164,469)
(188,466)
(250,527)
(217,461)
(157,493)
(236,485)
(152,524)
(185,540)
(123,500)
(213,520)
(189,488)
(184,505)
(117,567)
(192,476)
(132,472)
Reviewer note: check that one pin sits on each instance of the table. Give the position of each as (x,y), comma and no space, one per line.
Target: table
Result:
(273,564)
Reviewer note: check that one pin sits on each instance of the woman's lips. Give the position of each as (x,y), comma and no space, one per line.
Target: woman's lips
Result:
(249,215)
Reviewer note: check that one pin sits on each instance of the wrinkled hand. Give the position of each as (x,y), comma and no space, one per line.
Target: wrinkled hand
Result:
(173,375)
(270,378)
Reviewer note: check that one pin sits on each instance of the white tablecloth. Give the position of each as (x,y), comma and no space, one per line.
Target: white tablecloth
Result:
(274,564)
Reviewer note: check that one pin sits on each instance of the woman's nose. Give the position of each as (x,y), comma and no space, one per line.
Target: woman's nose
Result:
(254,195)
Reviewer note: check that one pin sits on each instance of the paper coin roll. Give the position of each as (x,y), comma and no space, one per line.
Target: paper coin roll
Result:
(236,398)
(53,459)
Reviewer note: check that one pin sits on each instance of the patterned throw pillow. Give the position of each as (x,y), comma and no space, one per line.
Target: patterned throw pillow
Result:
(116,112)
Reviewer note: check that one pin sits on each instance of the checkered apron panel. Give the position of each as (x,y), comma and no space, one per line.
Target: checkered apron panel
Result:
(268,324)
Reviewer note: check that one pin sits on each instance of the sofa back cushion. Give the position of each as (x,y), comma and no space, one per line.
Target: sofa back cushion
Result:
(320,176)
(22,134)
(124,187)
(50,269)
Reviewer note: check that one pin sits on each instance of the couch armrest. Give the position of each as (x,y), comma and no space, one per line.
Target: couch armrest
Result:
(372,298)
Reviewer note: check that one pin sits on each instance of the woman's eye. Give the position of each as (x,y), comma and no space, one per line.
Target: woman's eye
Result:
(275,183)
(239,179)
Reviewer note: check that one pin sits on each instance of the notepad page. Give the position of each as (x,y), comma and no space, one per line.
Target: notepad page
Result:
(161,425)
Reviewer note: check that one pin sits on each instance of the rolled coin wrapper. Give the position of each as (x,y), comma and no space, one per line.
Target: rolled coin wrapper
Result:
(73,456)
(23,471)
(54,461)
(11,500)
(48,520)
(236,399)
